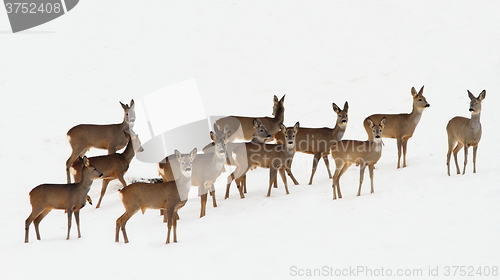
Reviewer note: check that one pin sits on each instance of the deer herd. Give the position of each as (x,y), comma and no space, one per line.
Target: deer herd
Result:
(244,143)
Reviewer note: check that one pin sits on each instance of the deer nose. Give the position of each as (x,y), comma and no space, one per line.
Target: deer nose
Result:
(100,175)
(471,110)
(344,121)
(290,142)
(268,136)
(427,105)
(377,136)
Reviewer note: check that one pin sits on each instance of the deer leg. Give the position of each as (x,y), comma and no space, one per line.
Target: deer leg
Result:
(121,222)
(243,183)
(283,177)
(451,143)
(316,158)
(290,174)
(335,179)
(455,153)
(77,219)
(399,143)
(405,142)
(70,213)
(474,153)
(203,204)
(361,175)
(212,194)
(170,213)
(344,169)
(174,222)
(327,163)
(370,169)
(38,220)
(105,183)
(272,178)
(466,153)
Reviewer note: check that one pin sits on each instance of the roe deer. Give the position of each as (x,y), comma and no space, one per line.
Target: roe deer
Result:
(318,141)
(242,127)
(465,132)
(169,196)
(108,137)
(113,166)
(401,126)
(206,167)
(260,135)
(362,153)
(276,157)
(70,197)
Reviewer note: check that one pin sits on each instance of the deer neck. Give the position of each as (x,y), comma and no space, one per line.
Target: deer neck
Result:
(416,114)
(338,132)
(376,146)
(217,162)
(183,185)
(475,121)
(86,181)
(280,114)
(129,152)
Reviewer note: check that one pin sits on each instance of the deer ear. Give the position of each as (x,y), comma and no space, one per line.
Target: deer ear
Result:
(296,127)
(192,155)
(124,106)
(346,106)
(256,123)
(178,155)
(283,98)
(414,92)
(482,95)
(86,161)
(421,91)
(213,136)
(275,99)
(336,108)
(132,103)
(226,129)
(283,128)
(370,123)
(216,128)
(471,96)
(383,122)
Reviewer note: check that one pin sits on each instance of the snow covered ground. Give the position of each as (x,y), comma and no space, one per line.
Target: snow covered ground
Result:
(419,221)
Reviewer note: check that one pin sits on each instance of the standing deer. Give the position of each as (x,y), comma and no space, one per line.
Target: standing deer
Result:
(206,167)
(401,126)
(113,166)
(242,127)
(108,137)
(276,157)
(362,153)
(70,197)
(465,132)
(169,196)
(318,141)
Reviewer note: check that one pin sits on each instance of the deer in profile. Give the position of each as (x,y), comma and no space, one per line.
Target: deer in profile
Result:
(401,126)
(169,196)
(242,127)
(260,135)
(69,197)
(108,137)
(206,167)
(318,141)
(113,166)
(362,153)
(276,157)
(465,132)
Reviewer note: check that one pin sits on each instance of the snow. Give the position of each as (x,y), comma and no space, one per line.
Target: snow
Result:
(76,68)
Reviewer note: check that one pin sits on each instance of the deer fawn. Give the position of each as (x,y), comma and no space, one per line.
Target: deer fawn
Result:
(170,196)
(362,153)
(206,167)
(276,157)
(109,137)
(70,197)
(242,127)
(465,132)
(318,141)
(113,166)
(401,126)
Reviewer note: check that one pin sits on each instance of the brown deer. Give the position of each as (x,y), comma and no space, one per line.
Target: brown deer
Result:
(276,157)
(170,196)
(108,137)
(113,166)
(362,153)
(206,167)
(261,135)
(465,132)
(318,141)
(401,126)
(242,127)
(69,197)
